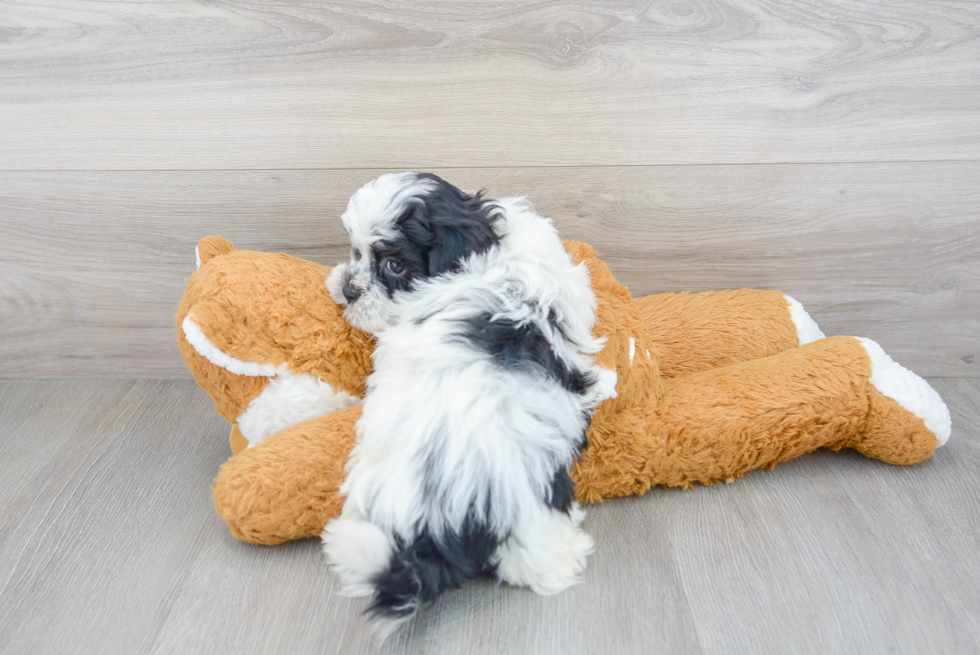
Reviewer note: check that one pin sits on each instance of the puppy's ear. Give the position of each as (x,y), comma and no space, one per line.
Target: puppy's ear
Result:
(457,239)
(460,224)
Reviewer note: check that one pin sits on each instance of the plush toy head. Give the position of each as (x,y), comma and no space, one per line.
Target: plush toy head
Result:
(260,333)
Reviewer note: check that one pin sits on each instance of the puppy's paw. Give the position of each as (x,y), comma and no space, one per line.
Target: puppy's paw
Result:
(357,551)
(604,387)
(548,554)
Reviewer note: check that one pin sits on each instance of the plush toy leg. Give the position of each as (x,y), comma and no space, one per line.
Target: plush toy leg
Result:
(702,331)
(287,487)
(719,424)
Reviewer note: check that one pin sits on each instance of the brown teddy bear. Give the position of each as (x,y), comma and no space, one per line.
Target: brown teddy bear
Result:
(710,386)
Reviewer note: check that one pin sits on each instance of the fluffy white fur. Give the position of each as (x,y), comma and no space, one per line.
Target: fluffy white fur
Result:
(447,434)
(535,558)
(357,550)
(288,399)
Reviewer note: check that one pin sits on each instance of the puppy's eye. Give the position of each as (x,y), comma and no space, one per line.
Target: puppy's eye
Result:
(394,266)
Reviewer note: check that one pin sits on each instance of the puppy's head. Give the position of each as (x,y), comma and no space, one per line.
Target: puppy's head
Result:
(403,228)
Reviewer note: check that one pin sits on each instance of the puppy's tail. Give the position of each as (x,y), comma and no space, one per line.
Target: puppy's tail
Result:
(399,592)
(419,571)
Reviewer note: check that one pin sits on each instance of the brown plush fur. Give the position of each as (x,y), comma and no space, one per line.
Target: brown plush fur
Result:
(267,308)
(287,487)
(716,387)
(695,332)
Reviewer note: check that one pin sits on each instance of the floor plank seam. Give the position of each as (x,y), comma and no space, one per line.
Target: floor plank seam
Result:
(382,167)
(178,589)
(679,571)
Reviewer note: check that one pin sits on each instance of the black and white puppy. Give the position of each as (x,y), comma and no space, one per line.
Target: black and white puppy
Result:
(483,387)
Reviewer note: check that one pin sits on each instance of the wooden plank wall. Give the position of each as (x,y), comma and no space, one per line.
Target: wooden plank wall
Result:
(830,148)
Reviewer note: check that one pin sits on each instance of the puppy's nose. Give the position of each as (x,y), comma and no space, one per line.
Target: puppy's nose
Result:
(350,293)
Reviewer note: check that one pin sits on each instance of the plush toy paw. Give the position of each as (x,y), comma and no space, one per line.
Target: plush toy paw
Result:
(908,390)
(807,330)
(907,420)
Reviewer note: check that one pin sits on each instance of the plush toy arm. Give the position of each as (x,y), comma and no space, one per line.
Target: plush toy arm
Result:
(701,331)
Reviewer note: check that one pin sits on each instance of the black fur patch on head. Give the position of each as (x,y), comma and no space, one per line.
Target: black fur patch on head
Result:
(438,231)
(519,346)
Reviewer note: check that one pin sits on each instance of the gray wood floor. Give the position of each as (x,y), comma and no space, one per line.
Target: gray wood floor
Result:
(109,544)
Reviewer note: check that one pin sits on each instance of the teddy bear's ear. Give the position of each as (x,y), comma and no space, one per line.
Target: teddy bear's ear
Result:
(210,247)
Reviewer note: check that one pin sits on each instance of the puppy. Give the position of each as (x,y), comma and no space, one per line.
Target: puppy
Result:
(483,387)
